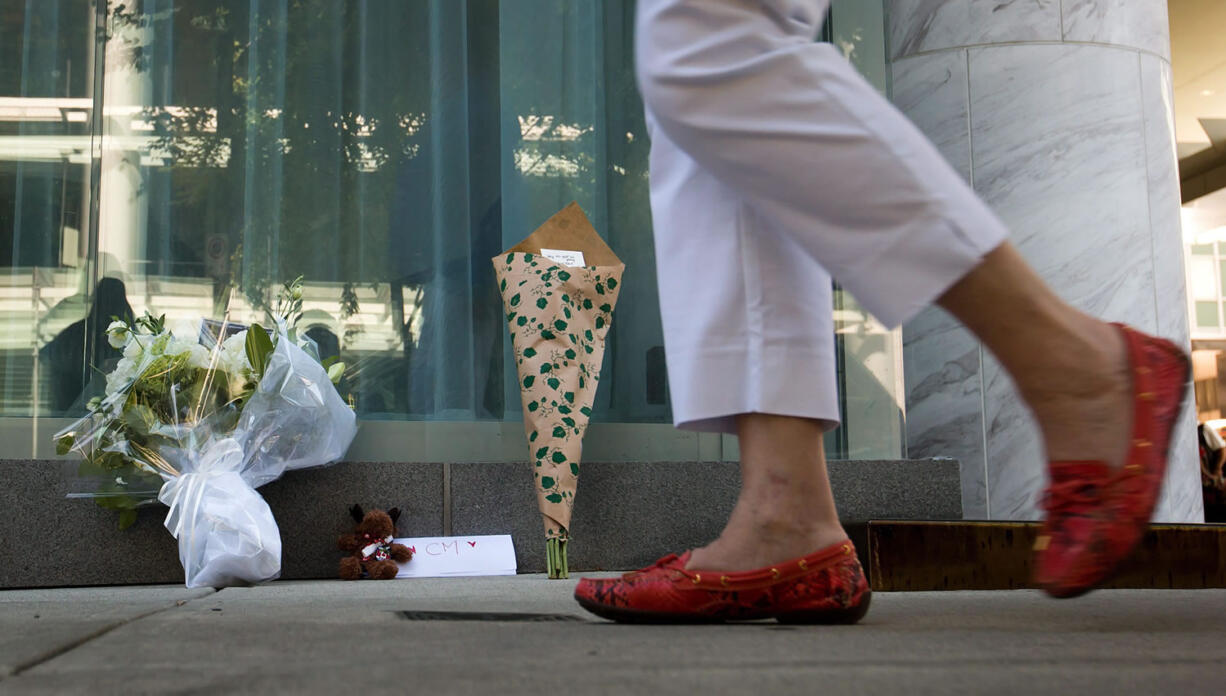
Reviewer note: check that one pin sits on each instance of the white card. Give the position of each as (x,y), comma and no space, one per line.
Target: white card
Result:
(564,257)
(440,557)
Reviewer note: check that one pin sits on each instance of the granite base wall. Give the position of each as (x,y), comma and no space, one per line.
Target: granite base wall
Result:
(626,515)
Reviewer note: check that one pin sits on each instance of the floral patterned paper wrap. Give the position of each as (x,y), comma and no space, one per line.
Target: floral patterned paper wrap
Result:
(558,317)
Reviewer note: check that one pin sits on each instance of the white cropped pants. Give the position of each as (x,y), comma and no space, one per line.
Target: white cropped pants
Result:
(775,166)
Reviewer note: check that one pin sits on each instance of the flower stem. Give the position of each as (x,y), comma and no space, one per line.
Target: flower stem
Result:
(555,559)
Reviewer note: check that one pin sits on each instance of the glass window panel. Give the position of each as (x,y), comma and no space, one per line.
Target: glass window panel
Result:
(384,151)
(1202,249)
(1207,315)
(50,329)
(1202,277)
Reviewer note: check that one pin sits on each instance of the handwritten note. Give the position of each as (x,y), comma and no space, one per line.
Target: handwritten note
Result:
(440,557)
(565,257)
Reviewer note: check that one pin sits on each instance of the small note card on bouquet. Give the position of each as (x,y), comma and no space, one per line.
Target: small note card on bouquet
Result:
(443,557)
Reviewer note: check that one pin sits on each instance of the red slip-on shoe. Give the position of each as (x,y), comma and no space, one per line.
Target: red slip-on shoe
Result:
(1096,516)
(825,587)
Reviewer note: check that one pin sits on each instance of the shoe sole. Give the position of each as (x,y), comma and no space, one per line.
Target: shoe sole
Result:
(825,617)
(1063,592)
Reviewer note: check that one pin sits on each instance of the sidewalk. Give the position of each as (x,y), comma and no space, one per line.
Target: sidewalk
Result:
(330,637)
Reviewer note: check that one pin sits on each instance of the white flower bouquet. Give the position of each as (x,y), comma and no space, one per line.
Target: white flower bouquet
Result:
(199,423)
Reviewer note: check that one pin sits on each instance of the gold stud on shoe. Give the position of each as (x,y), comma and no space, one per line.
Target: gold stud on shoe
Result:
(697,578)
(1146,396)
(803,565)
(775,573)
(846,549)
(1041,543)
(1141,443)
(724,580)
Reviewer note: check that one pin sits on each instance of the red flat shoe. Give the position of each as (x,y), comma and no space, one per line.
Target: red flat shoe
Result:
(825,587)
(1096,516)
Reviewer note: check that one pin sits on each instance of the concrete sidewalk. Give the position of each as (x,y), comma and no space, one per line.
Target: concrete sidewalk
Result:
(335,637)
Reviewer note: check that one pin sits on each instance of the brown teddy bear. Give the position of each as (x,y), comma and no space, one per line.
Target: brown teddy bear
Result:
(371,551)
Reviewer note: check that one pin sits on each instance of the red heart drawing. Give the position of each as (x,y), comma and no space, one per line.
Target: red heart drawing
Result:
(472,544)
(412,549)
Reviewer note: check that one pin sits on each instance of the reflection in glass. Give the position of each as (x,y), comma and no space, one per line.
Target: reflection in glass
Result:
(189,156)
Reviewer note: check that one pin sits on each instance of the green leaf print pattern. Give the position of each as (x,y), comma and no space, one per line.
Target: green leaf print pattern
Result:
(558,318)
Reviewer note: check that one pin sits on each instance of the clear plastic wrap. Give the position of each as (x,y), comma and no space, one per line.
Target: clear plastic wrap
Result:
(211,426)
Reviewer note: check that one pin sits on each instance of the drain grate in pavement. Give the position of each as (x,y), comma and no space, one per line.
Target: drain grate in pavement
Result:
(483,616)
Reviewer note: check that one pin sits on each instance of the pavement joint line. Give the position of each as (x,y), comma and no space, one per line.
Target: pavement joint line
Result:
(90,637)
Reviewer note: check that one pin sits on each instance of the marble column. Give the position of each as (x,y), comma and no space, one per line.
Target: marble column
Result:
(1059,113)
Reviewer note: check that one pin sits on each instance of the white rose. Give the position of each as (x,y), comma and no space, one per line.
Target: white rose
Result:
(123,375)
(117,334)
(199,357)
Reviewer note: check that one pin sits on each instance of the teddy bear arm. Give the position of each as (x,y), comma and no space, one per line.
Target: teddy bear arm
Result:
(401,553)
(348,542)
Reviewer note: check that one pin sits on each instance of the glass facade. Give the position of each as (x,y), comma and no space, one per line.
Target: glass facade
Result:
(188,156)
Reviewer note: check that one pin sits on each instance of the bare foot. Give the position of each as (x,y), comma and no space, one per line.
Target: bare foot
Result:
(1083,398)
(752,540)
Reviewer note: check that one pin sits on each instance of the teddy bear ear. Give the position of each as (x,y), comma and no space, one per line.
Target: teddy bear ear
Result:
(356,513)
(394,513)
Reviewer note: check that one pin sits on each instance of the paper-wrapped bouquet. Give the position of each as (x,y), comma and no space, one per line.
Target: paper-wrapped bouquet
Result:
(559,288)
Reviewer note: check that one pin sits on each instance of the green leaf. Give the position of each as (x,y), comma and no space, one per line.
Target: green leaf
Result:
(90,469)
(559,431)
(140,419)
(574,468)
(586,411)
(533,406)
(569,421)
(515,300)
(599,322)
(559,325)
(599,289)
(570,396)
(546,368)
(540,453)
(553,382)
(127,518)
(548,335)
(532,438)
(606,308)
(528,381)
(563,276)
(64,444)
(259,347)
(558,458)
(529,352)
(521,321)
(587,304)
(564,409)
(570,354)
(541,303)
(547,482)
(553,498)
(612,282)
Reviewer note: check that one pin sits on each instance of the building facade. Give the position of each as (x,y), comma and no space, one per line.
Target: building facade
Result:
(186,157)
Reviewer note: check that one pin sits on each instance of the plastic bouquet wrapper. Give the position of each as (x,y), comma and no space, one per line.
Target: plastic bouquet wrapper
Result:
(559,287)
(199,423)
